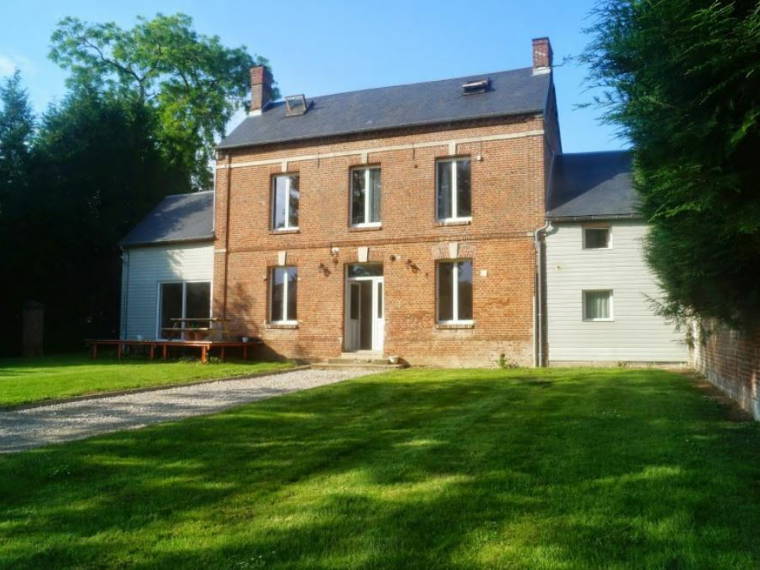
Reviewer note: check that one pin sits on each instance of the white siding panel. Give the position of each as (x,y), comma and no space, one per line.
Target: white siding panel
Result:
(636,334)
(144,268)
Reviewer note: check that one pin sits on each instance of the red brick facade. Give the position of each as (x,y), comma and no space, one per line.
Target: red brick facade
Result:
(510,159)
(730,360)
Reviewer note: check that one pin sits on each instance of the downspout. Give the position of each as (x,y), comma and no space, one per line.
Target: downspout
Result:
(125,292)
(226,234)
(538,323)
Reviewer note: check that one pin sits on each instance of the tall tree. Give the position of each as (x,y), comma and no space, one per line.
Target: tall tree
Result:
(16,130)
(681,80)
(16,158)
(192,81)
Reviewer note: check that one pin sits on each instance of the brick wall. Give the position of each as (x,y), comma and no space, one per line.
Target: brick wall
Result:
(508,186)
(730,360)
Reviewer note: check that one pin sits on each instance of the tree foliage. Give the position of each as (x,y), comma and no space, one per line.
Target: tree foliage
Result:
(192,82)
(139,121)
(681,79)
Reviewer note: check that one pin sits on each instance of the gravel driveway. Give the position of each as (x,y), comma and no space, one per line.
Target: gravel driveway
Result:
(32,427)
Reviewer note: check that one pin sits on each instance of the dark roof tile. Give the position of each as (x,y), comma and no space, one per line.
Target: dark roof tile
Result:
(177,218)
(592,185)
(434,102)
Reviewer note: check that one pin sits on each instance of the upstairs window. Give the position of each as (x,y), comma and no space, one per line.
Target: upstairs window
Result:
(283,290)
(365,196)
(454,291)
(596,237)
(453,202)
(285,201)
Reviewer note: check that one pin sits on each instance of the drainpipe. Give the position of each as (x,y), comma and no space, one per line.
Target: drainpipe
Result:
(538,323)
(226,234)
(125,292)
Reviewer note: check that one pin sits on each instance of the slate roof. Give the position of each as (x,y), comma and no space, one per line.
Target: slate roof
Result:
(592,185)
(433,102)
(177,218)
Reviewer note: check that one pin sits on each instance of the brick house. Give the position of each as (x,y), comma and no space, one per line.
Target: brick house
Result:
(407,220)
(397,220)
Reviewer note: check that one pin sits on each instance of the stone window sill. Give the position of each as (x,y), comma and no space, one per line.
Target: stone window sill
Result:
(287,231)
(453,222)
(454,326)
(364,228)
(285,326)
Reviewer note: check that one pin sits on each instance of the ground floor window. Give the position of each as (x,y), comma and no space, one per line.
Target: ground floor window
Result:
(183,300)
(283,295)
(454,291)
(597,305)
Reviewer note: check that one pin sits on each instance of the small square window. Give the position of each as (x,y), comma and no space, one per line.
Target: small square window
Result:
(597,305)
(596,238)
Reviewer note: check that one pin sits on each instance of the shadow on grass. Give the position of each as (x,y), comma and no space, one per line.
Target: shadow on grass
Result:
(414,469)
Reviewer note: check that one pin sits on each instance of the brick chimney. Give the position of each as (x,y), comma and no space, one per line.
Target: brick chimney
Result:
(261,88)
(542,56)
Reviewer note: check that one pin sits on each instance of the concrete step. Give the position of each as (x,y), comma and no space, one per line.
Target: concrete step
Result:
(357,360)
(340,364)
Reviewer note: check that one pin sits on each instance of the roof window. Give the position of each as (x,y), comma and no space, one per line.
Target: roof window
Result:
(295,105)
(476,86)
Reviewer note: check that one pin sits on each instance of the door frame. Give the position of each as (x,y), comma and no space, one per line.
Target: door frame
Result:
(378,323)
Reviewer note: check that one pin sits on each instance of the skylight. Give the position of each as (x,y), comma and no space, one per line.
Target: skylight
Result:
(476,86)
(295,105)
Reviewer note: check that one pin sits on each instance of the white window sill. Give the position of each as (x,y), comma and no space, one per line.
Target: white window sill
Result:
(285,230)
(364,227)
(455,221)
(455,325)
(283,325)
(598,320)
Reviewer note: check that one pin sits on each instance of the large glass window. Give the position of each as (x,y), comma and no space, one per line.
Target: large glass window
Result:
(453,196)
(455,291)
(283,295)
(184,301)
(365,196)
(285,202)
(597,305)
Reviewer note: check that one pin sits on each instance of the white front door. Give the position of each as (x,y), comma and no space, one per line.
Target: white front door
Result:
(365,311)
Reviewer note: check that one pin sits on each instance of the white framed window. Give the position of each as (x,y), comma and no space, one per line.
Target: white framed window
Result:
(182,300)
(597,305)
(285,202)
(454,291)
(283,295)
(365,196)
(452,190)
(597,237)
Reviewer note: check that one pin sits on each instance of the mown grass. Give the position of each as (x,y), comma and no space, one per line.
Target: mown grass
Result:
(29,380)
(558,469)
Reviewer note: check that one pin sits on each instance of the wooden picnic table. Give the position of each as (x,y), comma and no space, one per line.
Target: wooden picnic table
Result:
(182,327)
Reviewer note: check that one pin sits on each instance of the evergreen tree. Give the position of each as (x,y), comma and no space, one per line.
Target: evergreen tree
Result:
(681,80)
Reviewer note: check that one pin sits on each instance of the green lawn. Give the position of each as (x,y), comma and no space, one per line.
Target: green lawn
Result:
(23,381)
(435,469)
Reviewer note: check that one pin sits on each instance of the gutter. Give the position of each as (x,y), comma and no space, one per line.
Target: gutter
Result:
(589,218)
(539,317)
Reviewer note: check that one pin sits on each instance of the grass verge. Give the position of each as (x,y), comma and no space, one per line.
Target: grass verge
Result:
(33,380)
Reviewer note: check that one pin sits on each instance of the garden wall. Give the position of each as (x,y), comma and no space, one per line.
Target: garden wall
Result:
(730,360)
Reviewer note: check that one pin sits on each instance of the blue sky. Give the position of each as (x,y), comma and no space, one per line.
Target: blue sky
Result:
(328,46)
